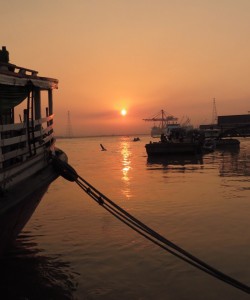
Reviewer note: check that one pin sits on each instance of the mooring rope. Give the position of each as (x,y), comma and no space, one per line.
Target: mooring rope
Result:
(70,174)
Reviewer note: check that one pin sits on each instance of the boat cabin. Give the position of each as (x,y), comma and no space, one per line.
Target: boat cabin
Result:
(26,130)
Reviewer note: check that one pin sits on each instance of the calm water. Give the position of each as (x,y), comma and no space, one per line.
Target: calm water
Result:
(73,249)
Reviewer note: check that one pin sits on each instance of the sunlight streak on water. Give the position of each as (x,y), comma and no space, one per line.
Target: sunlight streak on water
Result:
(126,167)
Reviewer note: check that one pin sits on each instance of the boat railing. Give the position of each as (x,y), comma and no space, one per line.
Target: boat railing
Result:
(14,128)
(14,140)
(16,70)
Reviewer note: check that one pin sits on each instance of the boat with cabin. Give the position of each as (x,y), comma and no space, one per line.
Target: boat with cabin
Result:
(27,145)
(179,142)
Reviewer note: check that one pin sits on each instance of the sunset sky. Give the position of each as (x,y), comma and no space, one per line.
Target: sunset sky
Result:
(141,55)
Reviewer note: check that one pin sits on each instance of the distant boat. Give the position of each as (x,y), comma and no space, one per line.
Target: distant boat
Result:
(165,124)
(136,139)
(27,145)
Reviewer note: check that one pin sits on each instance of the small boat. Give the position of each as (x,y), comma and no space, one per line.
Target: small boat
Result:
(222,143)
(136,139)
(27,145)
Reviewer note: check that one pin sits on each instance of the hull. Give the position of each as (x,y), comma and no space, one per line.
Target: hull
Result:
(173,148)
(19,203)
(225,143)
(14,220)
(222,144)
(182,160)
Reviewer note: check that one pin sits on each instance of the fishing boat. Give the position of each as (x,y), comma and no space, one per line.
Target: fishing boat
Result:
(27,145)
(180,141)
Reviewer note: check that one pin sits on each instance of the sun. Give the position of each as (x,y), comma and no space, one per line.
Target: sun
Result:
(123,112)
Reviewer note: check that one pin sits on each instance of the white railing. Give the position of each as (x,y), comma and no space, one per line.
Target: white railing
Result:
(13,144)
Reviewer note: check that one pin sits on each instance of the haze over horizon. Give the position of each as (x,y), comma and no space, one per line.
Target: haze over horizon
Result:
(140,55)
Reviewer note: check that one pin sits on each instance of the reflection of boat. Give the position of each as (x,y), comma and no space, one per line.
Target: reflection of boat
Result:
(27,145)
(165,124)
(208,146)
(176,148)
(35,271)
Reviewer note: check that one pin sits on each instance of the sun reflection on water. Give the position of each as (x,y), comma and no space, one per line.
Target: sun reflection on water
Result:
(126,168)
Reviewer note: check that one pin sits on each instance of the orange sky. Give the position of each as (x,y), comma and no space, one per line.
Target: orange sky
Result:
(143,55)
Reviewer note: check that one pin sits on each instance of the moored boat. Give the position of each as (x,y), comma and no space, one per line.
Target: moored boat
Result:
(222,143)
(27,145)
(180,141)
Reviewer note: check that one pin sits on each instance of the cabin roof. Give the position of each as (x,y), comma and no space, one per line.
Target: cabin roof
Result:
(18,76)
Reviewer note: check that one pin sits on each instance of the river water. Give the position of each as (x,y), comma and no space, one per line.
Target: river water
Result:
(74,249)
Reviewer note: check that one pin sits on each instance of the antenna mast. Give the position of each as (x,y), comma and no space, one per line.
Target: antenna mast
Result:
(69,126)
(214,113)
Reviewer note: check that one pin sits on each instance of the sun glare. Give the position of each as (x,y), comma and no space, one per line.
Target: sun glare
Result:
(123,112)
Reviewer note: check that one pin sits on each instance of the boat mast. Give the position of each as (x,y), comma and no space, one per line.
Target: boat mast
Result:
(214,114)
(162,119)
